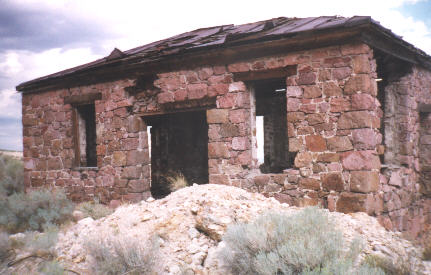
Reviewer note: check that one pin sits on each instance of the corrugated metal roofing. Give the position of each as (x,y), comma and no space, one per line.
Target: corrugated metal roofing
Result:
(225,35)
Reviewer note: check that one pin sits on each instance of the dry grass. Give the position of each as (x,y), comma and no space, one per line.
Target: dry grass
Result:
(176,181)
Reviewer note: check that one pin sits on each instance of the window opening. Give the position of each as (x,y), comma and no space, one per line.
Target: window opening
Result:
(271,125)
(85,136)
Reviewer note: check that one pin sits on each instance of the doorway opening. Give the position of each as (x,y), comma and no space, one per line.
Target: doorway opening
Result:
(178,147)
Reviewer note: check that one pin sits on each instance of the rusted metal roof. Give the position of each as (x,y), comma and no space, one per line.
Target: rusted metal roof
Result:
(225,36)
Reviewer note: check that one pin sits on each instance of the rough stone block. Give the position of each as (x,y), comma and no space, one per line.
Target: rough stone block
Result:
(339,104)
(341,73)
(360,160)
(312,92)
(237,87)
(218,150)
(331,89)
(197,91)
(219,179)
(359,83)
(363,102)
(354,202)
(332,182)
(361,64)
(358,119)
(138,186)
(365,138)
(306,78)
(240,143)
(328,157)
(119,158)
(339,144)
(315,143)
(303,159)
(364,181)
(238,116)
(294,91)
(217,116)
(165,97)
(309,183)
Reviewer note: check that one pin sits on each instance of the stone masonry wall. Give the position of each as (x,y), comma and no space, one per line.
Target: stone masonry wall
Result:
(333,134)
(407,206)
(122,152)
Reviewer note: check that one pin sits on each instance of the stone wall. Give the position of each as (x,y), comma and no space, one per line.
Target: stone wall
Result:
(334,142)
(406,206)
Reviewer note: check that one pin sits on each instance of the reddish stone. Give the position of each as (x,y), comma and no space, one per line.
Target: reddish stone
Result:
(358,119)
(119,158)
(309,183)
(294,91)
(354,49)
(261,180)
(361,64)
(258,65)
(363,102)
(353,202)
(226,101)
(293,104)
(165,97)
(133,197)
(205,73)
(180,95)
(295,116)
(366,138)
(331,89)
(197,91)
(315,143)
(240,143)
(328,157)
(135,157)
(244,158)
(308,108)
(305,130)
(341,73)
(307,78)
(237,87)
(339,104)
(312,92)
(219,69)
(303,159)
(360,160)
(359,83)
(314,119)
(138,186)
(237,116)
(332,182)
(218,150)
(217,116)
(219,179)
(339,144)
(238,67)
(55,163)
(337,61)
(218,89)
(364,181)
(295,144)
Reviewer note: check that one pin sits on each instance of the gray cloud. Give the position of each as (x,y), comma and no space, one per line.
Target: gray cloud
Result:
(10,133)
(34,29)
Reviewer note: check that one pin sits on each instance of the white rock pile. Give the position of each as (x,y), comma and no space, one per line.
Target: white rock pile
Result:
(190,223)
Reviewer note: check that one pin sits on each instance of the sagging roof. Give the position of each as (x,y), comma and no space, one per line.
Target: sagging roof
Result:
(231,36)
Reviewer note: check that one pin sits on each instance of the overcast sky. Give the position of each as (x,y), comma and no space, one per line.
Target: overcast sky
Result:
(38,37)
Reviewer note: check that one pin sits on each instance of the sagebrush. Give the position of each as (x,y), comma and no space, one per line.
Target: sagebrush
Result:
(4,245)
(34,210)
(124,255)
(11,175)
(304,243)
(52,268)
(94,209)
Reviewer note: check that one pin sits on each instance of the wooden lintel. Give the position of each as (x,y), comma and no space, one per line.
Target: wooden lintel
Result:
(82,99)
(265,74)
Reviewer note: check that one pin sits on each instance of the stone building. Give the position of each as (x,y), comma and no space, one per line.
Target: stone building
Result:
(344,104)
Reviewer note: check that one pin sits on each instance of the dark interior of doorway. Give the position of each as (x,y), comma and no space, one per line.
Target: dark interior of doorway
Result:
(179,145)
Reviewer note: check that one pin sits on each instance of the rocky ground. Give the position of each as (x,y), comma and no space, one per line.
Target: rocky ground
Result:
(191,221)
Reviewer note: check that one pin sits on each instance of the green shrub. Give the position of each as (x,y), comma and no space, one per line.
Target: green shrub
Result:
(41,243)
(52,268)
(304,243)
(11,175)
(124,256)
(4,245)
(94,209)
(386,265)
(34,210)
